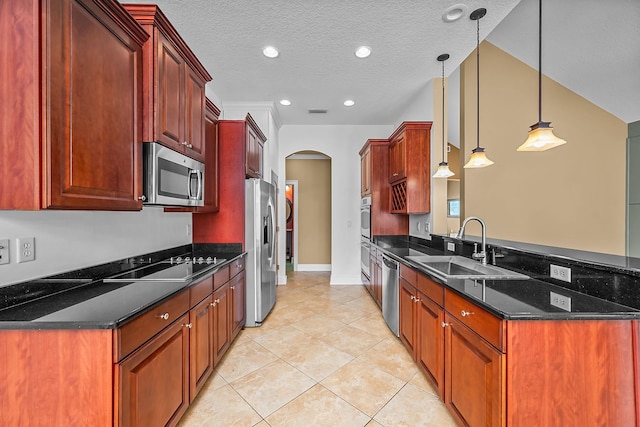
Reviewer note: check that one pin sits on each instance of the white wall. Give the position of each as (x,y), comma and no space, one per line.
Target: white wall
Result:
(342,143)
(69,240)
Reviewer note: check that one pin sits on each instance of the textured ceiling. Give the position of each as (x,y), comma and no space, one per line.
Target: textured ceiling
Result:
(317,69)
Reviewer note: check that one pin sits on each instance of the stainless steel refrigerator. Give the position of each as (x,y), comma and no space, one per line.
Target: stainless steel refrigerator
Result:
(260,234)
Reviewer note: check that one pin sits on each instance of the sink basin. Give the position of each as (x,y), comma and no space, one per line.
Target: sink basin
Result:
(459,267)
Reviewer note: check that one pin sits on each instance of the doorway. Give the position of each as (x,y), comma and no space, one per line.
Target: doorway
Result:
(291,190)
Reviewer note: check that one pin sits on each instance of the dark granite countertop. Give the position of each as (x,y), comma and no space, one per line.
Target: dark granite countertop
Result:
(82,300)
(528,299)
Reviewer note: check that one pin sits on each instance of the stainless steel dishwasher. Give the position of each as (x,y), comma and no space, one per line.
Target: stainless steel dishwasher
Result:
(390,294)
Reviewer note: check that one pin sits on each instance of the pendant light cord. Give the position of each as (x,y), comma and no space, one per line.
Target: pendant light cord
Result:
(478,84)
(443,111)
(540,61)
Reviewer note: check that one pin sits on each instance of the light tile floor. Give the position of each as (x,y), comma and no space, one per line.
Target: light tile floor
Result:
(323,357)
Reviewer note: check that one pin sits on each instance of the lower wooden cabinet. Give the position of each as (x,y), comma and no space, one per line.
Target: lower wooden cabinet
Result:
(154,380)
(200,345)
(474,377)
(221,335)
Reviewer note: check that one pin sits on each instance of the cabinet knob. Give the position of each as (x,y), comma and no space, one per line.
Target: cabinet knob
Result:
(164,316)
(395,174)
(412,297)
(233,287)
(416,300)
(445,324)
(188,325)
(143,198)
(213,304)
(186,144)
(466,313)
(217,300)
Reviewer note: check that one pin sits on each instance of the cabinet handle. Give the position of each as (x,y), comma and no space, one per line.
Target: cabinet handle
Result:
(233,287)
(186,144)
(213,304)
(445,324)
(188,325)
(466,313)
(164,316)
(143,198)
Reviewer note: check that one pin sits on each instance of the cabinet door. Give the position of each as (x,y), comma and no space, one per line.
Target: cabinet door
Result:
(398,159)
(365,173)
(407,316)
(252,155)
(212,194)
(200,346)
(94,133)
(221,339)
(430,341)
(238,313)
(154,380)
(194,122)
(170,112)
(475,377)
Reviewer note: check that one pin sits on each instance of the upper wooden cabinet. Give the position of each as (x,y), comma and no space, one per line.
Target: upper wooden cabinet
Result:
(255,140)
(410,168)
(374,163)
(174,85)
(71,129)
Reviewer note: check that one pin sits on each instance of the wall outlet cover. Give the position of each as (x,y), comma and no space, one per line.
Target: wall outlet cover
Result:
(560,273)
(451,246)
(560,301)
(25,249)
(4,251)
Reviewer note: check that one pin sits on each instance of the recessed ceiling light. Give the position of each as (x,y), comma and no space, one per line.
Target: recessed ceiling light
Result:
(363,51)
(455,12)
(285,102)
(349,103)
(270,52)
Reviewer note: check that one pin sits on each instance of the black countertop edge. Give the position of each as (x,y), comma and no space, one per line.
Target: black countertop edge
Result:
(397,247)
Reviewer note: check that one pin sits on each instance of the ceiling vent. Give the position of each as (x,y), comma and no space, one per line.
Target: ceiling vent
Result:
(318,111)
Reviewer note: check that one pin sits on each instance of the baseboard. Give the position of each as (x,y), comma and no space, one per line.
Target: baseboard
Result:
(314,267)
(346,280)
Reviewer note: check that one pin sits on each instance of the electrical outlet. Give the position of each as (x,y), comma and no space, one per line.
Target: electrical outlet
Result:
(560,301)
(25,249)
(188,229)
(560,273)
(4,251)
(451,246)
(427,227)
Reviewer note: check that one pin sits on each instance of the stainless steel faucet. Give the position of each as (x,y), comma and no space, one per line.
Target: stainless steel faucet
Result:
(482,255)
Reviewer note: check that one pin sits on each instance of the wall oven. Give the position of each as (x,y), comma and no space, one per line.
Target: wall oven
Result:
(171,178)
(365,217)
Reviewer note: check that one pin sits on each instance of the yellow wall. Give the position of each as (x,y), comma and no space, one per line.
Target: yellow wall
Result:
(314,209)
(572,196)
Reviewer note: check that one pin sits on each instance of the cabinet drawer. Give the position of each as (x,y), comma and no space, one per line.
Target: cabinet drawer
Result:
(479,320)
(433,290)
(220,278)
(236,267)
(409,274)
(135,333)
(200,290)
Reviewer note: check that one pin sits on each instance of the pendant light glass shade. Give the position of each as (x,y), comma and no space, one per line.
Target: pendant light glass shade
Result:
(541,137)
(478,157)
(443,167)
(443,171)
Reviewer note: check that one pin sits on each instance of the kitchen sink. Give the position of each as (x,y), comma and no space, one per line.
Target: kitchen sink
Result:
(459,267)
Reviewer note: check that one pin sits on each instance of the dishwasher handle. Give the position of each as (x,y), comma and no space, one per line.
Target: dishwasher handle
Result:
(390,263)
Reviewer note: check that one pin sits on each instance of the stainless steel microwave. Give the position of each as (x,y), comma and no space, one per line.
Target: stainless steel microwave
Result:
(171,178)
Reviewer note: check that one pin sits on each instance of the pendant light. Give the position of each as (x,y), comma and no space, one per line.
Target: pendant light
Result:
(478,157)
(541,135)
(443,168)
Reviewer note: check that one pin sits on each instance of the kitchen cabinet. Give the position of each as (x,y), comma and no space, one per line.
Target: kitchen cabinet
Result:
(374,286)
(365,171)
(72,138)
(410,168)
(212,165)
(237,288)
(227,225)
(200,335)
(221,337)
(154,380)
(174,86)
(374,163)
(495,372)
(254,150)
